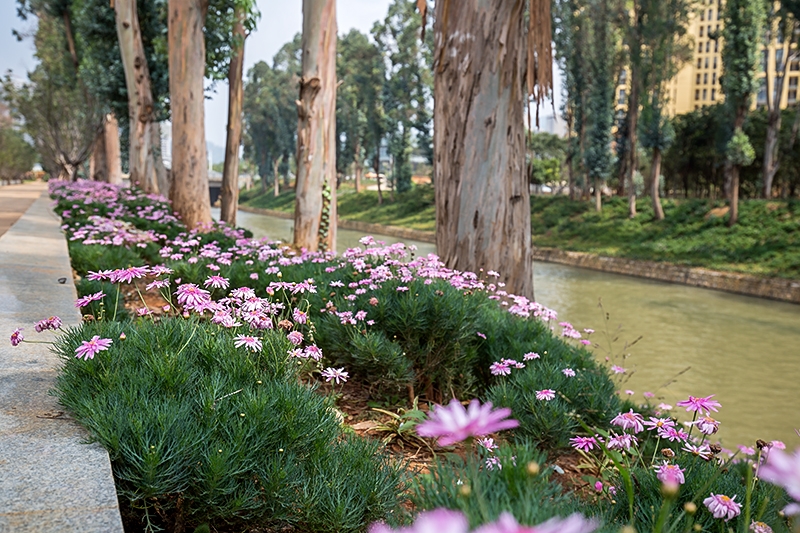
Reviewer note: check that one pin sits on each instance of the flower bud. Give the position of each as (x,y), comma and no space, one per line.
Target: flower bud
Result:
(533,468)
(670,490)
(690,507)
(668,453)
(464,490)
(122,336)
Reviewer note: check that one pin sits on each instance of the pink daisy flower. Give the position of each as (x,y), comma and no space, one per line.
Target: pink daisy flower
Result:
(17,337)
(217,282)
(583,443)
(439,520)
(499,369)
(336,374)
(545,395)
(530,355)
(92,347)
(49,323)
(783,469)
(618,369)
(295,337)
(454,423)
(86,300)
(568,372)
(629,420)
(722,506)
(251,343)
(299,316)
(760,527)
(700,405)
(670,474)
(702,451)
(190,295)
(707,425)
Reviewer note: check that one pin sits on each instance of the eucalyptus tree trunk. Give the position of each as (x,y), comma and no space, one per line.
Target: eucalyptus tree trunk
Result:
(113,152)
(140,95)
(732,174)
(315,208)
(658,211)
(357,170)
(187,60)
(162,176)
(483,218)
(276,186)
(98,165)
(633,124)
(229,195)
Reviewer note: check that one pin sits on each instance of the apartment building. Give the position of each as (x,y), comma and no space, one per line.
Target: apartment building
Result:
(697,84)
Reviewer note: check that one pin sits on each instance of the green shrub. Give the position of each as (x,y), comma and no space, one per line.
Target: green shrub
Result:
(230,434)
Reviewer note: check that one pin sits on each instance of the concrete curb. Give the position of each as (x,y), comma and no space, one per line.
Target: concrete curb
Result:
(50,479)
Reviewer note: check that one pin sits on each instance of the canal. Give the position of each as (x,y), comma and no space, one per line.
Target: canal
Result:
(745,350)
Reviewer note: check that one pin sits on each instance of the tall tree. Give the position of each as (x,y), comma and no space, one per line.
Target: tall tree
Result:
(59,113)
(570,24)
(407,88)
(244,13)
(664,49)
(598,156)
(482,193)
(360,72)
(742,34)
(315,211)
(187,54)
(141,110)
(779,23)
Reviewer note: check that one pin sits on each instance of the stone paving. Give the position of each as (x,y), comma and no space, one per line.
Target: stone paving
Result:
(16,199)
(50,479)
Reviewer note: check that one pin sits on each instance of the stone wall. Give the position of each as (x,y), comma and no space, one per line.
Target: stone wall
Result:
(786,290)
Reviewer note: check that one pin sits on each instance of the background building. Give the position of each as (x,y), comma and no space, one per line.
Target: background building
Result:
(697,84)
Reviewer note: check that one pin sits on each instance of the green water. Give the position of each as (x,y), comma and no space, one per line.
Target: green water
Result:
(744,350)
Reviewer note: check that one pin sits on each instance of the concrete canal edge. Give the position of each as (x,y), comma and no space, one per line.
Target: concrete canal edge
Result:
(51,480)
(786,290)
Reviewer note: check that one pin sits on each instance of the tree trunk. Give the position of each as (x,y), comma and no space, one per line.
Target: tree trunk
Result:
(658,211)
(316,130)
(229,195)
(633,124)
(98,164)
(140,95)
(483,218)
(357,170)
(187,60)
(276,187)
(162,176)
(732,175)
(376,165)
(598,195)
(771,162)
(113,156)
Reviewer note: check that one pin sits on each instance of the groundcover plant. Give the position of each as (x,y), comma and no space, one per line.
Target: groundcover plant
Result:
(206,393)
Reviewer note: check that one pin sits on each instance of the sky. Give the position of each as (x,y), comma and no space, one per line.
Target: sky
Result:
(279,22)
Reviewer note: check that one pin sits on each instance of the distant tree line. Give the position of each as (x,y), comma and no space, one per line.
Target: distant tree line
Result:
(384,99)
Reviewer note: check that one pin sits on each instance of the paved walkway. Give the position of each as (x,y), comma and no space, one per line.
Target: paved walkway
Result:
(49,480)
(15,200)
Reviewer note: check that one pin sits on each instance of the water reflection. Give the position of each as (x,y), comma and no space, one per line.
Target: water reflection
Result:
(745,350)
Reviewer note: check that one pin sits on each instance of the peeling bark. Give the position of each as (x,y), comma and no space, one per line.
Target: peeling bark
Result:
(187,59)
(113,155)
(162,176)
(140,95)
(316,130)
(275,178)
(229,195)
(482,194)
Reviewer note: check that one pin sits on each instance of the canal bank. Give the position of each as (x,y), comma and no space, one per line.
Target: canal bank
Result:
(744,349)
(785,290)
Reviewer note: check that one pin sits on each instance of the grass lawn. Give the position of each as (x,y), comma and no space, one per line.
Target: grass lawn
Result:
(766,241)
